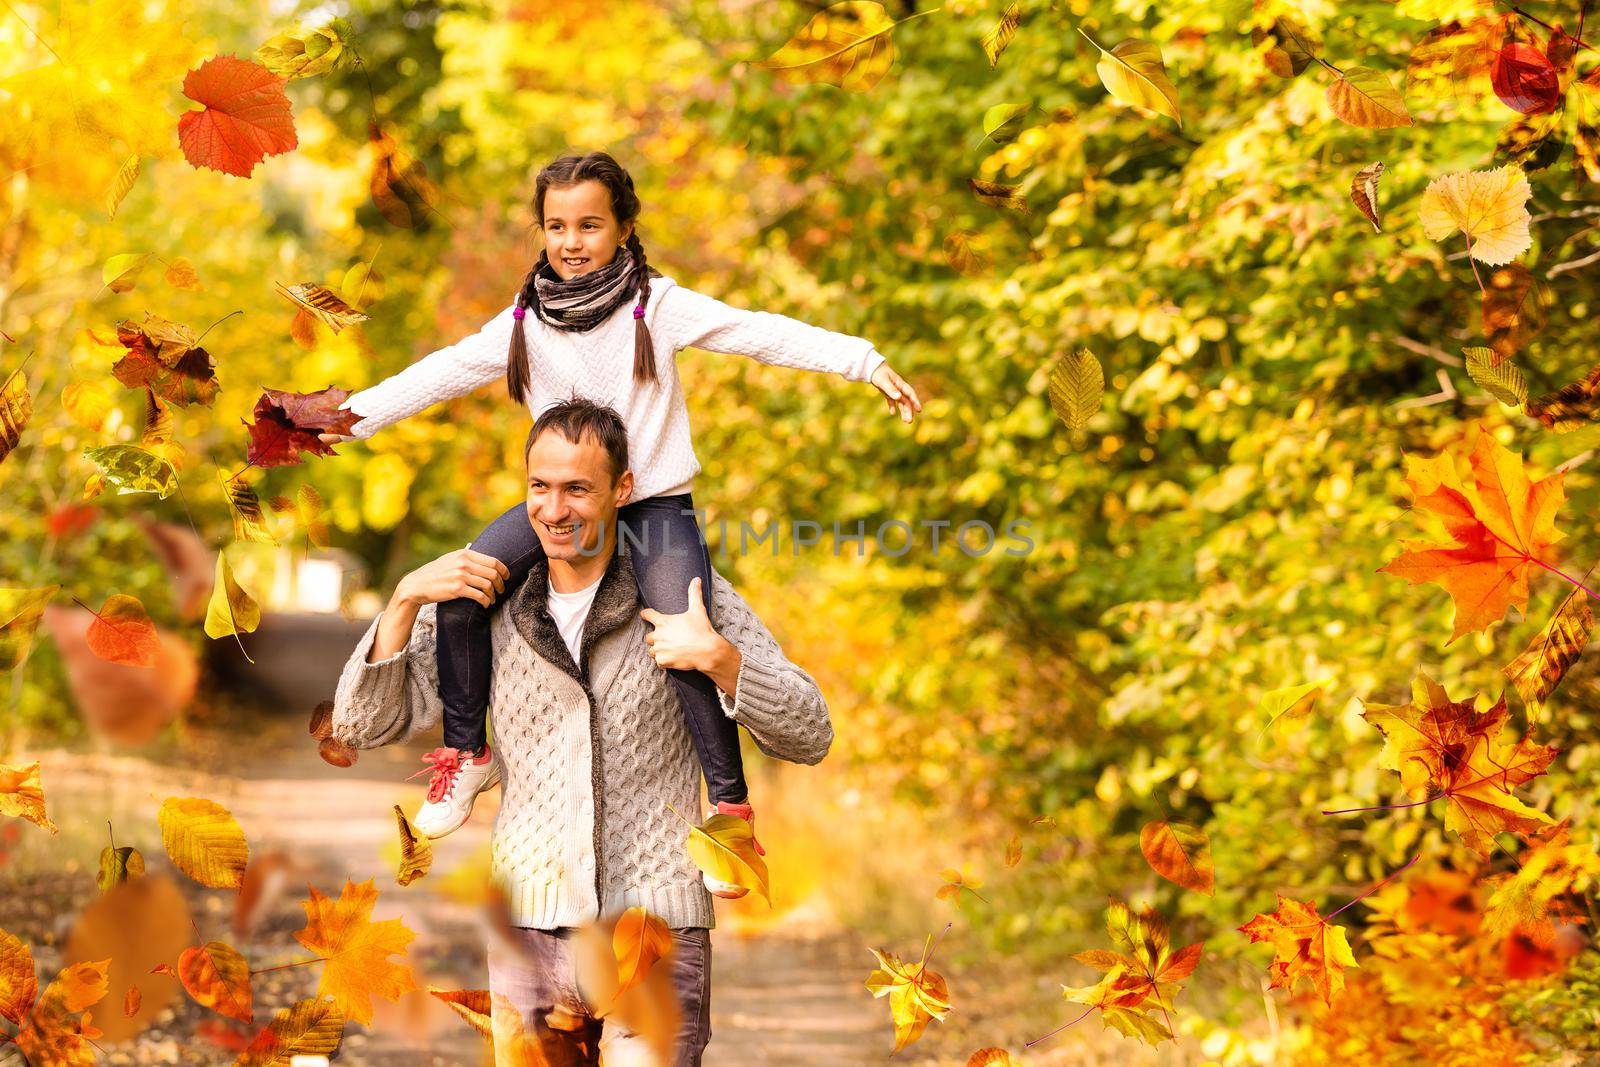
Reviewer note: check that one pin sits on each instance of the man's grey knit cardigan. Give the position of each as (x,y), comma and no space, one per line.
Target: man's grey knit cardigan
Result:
(591,755)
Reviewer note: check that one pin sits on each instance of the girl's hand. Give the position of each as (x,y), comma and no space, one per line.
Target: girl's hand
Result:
(897,392)
(334,438)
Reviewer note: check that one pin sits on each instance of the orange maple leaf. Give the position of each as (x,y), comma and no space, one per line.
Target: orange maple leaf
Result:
(1499,526)
(48,1032)
(1449,749)
(246,116)
(1304,945)
(356,948)
(1147,973)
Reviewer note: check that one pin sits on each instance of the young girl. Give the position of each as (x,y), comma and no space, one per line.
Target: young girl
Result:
(570,315)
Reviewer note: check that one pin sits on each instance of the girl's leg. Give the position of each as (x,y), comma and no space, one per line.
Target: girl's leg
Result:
(668,549)
(462,646)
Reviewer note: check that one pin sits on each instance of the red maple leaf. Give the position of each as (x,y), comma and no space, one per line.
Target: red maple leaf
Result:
(245,119)
(288,424)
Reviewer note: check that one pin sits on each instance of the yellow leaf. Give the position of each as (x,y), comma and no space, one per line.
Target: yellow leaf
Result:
(724,847)
(204,841)
(127,174)
(416,851)
(1077,386)
(217,977)
(356,949)
(1363,97)
(1133,73)
(847,44)
(232,610)
(89,404)
(121,272)
(181,275)
(22,795)
(16,408)
(249,524)
(1490,207)
(916,994)
(20,612)
(312,1027)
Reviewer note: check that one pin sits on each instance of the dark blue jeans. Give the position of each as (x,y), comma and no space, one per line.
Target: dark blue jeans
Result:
(668,549)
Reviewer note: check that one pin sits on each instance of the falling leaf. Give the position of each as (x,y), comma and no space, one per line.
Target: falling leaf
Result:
(1364,192)
(249,524)
(16,408)
(1133,73)
(1525,80)
(916,994)
(307,506)
(1513,308)
(954,882)
(130,1001)
(356,949)
(1455,59)
(1490,207)
(137,924)
(120,273)
(324,303)
(22,794)
(118,866)
(123,633)
(999,36)
(1550,868)
(231,610)
(416,851)
(1304,945)
(305,53)
(1498,527)
(1013,851)
(166,356)
(1289,707)
(204,841)
(998,195)
(181,274)
(1145,975)
(245,116)
(992,1057)
(311,1027)
(1571,406)
(1497,376)
(1180,853)
(1447,749)
(289,423)
(473,1005)
(724,847)
(1546,660)
(89,404)
(217,977)
(1293,45)
(132,469)
(399,185)
(20,612)
(639,940)
(1003,122)
(127,174)
(847,44)
(962,251)
(1363,97)
(1077,386)
(50,1034)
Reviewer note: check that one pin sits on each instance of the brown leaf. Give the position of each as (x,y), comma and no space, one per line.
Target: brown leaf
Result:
(165,357)
(1180,853)
(1364,192)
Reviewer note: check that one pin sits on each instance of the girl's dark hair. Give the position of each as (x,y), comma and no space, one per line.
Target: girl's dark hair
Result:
(563,173)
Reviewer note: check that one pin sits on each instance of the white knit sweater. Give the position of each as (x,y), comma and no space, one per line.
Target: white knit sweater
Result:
(598,364)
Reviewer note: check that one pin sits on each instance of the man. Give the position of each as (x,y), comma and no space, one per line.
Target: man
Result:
(590,738)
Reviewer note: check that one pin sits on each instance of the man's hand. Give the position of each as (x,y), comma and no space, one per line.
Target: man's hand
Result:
(462,573)
(897,392)
(687,642)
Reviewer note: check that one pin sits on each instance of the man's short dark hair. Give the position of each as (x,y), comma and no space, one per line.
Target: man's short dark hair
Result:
(577,418)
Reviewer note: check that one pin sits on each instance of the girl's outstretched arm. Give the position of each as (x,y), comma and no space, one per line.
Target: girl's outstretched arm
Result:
(452,371)
(690,319)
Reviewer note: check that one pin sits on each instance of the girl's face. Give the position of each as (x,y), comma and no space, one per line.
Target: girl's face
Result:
(580,232)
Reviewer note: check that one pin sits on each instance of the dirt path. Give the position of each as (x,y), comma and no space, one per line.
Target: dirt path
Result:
(789,994)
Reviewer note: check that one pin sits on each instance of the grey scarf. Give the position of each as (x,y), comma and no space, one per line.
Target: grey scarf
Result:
(583,302)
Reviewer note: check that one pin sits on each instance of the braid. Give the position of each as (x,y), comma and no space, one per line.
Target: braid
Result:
(517,373)
(644,355)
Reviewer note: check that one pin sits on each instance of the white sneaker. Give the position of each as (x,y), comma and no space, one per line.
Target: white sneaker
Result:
(456,782)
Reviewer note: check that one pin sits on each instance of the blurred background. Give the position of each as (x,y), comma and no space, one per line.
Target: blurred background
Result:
(1006,723)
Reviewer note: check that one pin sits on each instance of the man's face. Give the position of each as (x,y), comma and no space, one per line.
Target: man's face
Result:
(572,499)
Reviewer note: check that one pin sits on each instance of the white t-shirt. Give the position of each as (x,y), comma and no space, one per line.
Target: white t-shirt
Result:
(571,611)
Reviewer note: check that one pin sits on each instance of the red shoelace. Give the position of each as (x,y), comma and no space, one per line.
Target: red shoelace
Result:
(445,763)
